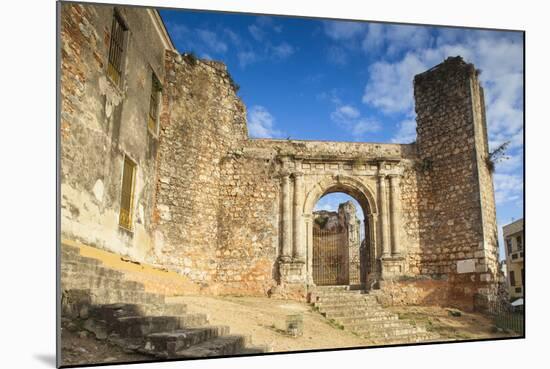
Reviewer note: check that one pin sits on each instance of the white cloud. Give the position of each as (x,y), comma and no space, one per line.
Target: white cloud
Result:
(390,87)
(257,33)
(511,164)
(345,113)
(337,55)
(333,96)
(211,40)
(363,126)
(390,84)
(261,124)
(341,30)
(349,118)
(393,39)
(500,58)
(406,132)
(246,57)
(177,31)
(508,187)
(233,37)
(265,21)
(283,50)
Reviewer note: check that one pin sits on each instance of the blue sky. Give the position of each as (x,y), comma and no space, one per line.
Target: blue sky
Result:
(352,81)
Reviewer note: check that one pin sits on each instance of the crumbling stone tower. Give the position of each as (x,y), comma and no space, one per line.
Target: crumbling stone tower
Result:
(456,198)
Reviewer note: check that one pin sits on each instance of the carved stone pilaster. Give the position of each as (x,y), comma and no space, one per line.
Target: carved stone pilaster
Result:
(395,215)
(299,251)
(286,230)
(382,216)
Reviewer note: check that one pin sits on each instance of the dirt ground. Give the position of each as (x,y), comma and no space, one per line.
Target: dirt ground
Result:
(264,320)
(79,350)
(451,324)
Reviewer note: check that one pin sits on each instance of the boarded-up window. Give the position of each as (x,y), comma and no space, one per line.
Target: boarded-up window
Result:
(116,49)
(154,104)
(127,193)
(512,278)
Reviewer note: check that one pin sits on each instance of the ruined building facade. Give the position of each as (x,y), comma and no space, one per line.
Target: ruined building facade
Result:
(157,166)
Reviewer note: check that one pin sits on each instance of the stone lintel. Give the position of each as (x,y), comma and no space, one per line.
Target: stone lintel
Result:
(342,159)
(383,160)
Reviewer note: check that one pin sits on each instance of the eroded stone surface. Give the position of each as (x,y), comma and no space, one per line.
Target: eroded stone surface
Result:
(235,214)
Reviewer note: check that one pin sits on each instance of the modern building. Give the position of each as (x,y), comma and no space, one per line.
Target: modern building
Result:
(515,268)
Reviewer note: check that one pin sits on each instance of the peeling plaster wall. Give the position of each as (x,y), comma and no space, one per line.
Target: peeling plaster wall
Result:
(101,122)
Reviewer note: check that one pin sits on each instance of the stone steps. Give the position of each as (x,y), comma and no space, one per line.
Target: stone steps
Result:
(337,293)
(120,311)
(362,314)
(220,346)
(74,266)
(344,298)
(113,311)
(329,289)
(351,320)
(337,304)
(101,296)
(141,326)
(410,338)
(376,326)
(92,281)
(166,344)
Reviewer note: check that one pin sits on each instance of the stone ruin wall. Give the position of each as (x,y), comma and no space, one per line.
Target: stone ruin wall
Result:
(208,198)
(201,121)
(250,206)
(456,200)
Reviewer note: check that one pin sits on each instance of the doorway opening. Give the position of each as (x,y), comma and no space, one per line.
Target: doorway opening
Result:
(340,248)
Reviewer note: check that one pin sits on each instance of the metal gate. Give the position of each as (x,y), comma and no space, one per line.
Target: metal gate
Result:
(335,260)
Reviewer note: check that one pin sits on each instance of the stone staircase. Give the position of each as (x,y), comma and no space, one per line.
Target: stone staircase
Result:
(102,301)
(361,313)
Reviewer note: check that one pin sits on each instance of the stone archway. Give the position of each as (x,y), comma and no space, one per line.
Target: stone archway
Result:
(364,196)
(373,183)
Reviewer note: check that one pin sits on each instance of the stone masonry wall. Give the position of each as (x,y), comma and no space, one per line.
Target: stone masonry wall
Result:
(248,225)
(201,120)
(250,206)
(454,175)
(101,122)
(208,200)
(486,191)
(411,201)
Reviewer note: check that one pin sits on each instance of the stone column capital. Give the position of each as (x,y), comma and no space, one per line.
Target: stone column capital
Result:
(297,174)
(284,175)
(394,180)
